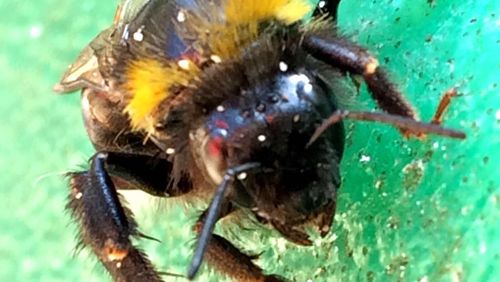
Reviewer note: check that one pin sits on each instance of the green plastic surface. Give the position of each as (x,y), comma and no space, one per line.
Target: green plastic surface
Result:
(407,210)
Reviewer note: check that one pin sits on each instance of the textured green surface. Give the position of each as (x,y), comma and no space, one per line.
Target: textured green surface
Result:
(407,210)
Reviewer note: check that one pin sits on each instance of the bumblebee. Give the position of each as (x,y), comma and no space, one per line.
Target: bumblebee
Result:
(229,101)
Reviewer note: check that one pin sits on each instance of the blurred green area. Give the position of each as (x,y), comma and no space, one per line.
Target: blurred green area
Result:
(407,210)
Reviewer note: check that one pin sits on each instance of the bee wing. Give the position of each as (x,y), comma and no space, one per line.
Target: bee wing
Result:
(89,69)
(84,72)
(128,9)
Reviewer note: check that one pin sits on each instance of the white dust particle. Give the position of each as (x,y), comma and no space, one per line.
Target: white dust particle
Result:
(497,115)
(184,64)
(35,31)
(138,35)
(482,248)
(283,67)
(181,17)
(242,176)
(365,158)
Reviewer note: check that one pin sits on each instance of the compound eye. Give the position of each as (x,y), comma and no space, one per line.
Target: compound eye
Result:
(214,157)
(214,147)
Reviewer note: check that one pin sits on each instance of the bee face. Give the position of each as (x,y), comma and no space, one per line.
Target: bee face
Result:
(229,101)
(270,122)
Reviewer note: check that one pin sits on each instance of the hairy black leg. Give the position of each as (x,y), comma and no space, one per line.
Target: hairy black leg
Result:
(106,226)
(352,58)
(327,7)
(149,174)
(407,124)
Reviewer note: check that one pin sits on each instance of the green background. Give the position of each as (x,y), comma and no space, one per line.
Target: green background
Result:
(407,210)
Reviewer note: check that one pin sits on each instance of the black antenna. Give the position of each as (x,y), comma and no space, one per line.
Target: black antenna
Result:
(413,126)
(213,215)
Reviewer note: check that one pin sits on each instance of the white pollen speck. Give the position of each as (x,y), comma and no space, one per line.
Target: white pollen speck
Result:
(184,64)
(465,210)
(35,31)
(497,115)
(334,237)
(281,244)
(494,199)
(283,67)
(455,275)
(78,195)
(435,145)
(261,138)
(424,279)
(309,280)
(118,264)
(482,248)
(296,118)
(322,4)
(216,59)
(138,35)
(308,88)
(181,17)
(365,158)
(242,176)
(170,151)
(296,78)
(223,132)
(220,108)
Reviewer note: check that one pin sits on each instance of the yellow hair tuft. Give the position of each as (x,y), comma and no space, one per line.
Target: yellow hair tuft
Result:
(293,11)
(148,82)
(248,11)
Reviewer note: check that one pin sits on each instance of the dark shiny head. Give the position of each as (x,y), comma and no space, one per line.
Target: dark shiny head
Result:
(270,123)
